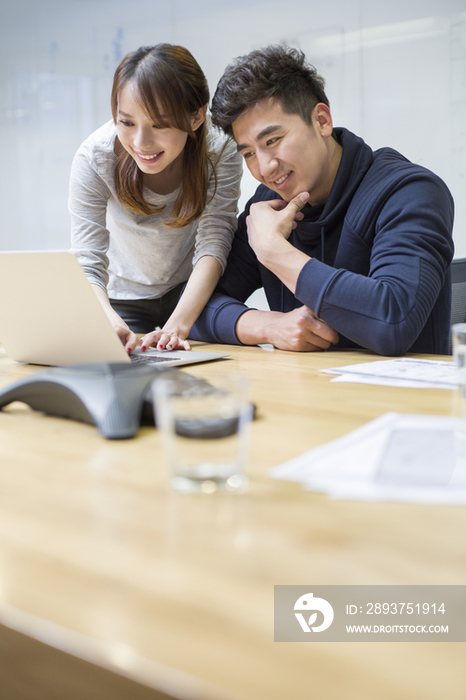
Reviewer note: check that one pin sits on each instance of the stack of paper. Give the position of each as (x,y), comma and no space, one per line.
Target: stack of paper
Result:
(401,371)
(396,457)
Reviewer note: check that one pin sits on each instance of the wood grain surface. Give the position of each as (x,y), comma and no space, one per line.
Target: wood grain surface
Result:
(177,590)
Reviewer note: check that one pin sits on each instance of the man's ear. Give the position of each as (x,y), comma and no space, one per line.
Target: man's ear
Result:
(198,118)
(322,119)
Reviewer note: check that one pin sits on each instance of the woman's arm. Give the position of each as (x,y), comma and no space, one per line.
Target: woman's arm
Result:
(218,222)
(87,204)
(127,337)
(88,199)
(196,294)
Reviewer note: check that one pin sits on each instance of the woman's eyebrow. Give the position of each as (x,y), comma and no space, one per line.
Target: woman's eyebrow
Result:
(125,114)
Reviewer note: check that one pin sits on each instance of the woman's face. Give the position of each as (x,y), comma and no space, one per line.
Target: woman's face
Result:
(154,147)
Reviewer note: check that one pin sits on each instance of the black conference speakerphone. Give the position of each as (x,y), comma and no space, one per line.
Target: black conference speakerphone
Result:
(115,397)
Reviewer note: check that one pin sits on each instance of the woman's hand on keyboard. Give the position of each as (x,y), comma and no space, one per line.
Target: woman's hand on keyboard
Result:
(127,337)
(166,338)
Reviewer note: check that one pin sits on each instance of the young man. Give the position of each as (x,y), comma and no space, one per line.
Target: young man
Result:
(353,247)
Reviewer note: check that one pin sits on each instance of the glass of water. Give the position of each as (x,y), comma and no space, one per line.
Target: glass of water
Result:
(205,430)
(458,332)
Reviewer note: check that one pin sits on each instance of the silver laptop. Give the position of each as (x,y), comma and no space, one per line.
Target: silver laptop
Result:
(49,315)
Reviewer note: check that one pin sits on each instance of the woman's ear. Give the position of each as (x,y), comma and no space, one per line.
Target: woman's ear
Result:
(198,118)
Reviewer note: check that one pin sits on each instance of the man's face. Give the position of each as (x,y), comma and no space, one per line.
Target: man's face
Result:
(286,154)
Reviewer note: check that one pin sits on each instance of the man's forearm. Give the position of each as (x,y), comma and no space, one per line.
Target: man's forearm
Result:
(253,327)
(286,263)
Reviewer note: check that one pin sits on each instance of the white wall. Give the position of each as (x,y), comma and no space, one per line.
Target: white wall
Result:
(395,70)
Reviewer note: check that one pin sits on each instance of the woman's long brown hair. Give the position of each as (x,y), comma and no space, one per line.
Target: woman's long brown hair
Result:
(167,79)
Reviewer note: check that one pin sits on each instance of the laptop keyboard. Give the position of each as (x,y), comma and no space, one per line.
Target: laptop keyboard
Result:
(153,359)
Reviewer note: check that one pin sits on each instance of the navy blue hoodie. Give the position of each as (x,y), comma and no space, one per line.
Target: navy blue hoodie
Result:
(380,250)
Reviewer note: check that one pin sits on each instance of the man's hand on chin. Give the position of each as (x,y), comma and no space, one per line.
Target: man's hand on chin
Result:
(269,226)
(273,219)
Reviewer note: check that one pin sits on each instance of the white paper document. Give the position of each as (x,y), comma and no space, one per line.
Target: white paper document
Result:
(396,457)
(401,371)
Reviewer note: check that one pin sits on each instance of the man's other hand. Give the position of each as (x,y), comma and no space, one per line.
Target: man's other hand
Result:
(299,330)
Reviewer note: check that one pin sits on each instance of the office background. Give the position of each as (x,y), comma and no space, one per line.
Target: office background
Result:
(395,72)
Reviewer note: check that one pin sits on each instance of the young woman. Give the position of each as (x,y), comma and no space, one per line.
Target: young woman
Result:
(153,198)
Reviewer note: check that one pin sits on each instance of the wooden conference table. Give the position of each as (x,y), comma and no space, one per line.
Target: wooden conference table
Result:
(99,557)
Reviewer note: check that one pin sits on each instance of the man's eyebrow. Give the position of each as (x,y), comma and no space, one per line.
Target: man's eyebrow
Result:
(262,134)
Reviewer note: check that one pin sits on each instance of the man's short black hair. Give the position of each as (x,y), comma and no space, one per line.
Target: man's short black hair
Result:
(275,72)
